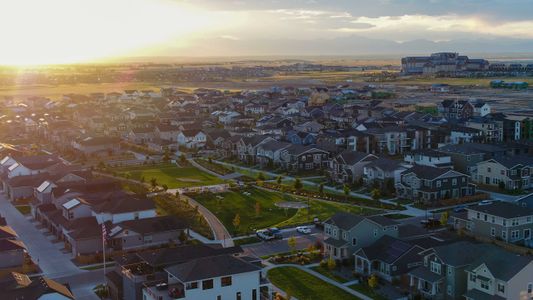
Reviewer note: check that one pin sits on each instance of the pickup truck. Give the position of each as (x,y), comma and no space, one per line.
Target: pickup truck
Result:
(265,235)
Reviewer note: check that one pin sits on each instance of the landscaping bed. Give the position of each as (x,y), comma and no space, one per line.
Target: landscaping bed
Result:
(24,209)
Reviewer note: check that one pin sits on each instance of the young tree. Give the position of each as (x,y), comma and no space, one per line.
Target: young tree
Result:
(373,281)
(346,190)
(183,158)
(153,182)
(321,188)
(279,179)
(292,243)
(101,291)
(165,187)
(166,155)
(331,263)
(257,209)
(260,176)
(298,184)
(237,222)
(375,194)
(183,237)
(444,218)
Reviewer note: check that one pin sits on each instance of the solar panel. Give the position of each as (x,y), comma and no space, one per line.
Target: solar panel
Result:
(72,203)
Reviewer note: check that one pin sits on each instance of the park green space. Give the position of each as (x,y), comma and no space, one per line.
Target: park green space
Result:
(170,175)
(305,286)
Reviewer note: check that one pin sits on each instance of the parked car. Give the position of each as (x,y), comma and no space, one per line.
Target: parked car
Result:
(276,232)
(303,229)
(264,234)
(484,202)
(459,208)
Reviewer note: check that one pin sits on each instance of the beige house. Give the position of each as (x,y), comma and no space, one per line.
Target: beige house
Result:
(512,171)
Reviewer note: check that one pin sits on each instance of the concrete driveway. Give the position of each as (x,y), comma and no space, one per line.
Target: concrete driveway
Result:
(51,260)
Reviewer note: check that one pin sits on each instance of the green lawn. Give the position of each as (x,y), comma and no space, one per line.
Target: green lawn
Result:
(397,216)
(232,203)
(171,175)
(246,241)
(323,210)
(364,289)
(328,273)
(305,286)
(24,209)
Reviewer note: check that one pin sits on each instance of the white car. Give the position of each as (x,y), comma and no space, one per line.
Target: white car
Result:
(264,235)
(303,229)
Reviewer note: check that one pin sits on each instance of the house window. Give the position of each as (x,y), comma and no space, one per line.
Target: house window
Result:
(225,281)
(238,296)
(493,219)
(488,169)
(254,294)
(501,288)
(530,288)
(504,234)
(515,234)
(504,222)
(192,285)
(435,267)
(449,290)
(484,284)
(493,231)
(438,183)
(472,277)
(454,181)
(514,222)
(375,232)
(207,284)
(354,241)
(449,269)
(478,215)
(344,235)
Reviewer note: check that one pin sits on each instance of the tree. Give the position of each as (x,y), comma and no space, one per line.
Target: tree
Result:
(166,156)
(331,263)
(127,175)
(298,184)
(101,291)
(292,243)
(444,218)
(183,237)
(279,180)
(373,281)
(237,221)
(165,187)
(321,188)
(260,176)
(257,209)
(375,194)
(346,190)
(153,182)
(183,158)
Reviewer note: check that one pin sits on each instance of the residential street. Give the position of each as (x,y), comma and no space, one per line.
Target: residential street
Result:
(280,246)
(48,255)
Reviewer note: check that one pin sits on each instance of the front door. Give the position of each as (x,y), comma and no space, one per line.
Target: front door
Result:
(527,234)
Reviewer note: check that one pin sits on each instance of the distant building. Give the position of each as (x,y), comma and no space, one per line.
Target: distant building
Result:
(442,62)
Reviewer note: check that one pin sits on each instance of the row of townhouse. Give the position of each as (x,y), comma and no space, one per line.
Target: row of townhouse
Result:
(13,253)
(428,264)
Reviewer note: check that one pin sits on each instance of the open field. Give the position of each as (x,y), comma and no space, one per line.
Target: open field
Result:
(171,175)
(233,203)
(480,82)
(56,91)
(303,285)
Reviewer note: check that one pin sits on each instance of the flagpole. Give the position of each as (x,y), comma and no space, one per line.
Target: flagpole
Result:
(104,239)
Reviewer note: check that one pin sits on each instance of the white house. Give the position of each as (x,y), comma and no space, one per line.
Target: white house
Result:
(192,138)
(214,277)
(124,209)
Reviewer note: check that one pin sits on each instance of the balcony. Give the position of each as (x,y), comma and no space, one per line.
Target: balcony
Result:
(161,290)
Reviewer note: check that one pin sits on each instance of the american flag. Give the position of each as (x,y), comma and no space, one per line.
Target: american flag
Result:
(104,234)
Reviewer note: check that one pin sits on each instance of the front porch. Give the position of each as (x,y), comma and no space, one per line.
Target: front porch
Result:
(428,284)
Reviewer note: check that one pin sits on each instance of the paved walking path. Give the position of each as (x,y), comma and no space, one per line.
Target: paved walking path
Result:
(48,255)
(322,277)
(220,232)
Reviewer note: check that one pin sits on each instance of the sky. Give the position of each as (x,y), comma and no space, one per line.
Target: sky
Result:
(66,31)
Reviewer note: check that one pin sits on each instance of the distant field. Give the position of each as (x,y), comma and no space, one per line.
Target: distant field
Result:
(54,91)
(171,175)
(482,82)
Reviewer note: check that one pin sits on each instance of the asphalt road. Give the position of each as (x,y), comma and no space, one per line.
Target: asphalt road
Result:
(281,245)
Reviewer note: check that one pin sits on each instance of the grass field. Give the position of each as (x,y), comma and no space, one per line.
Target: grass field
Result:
(326,272)
(305,286)
(171,175)
(363,289)
(234,203)
(323,210)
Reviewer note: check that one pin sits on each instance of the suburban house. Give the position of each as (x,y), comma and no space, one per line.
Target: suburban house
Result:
(384,171)
(429,184)
(466,156)
(442,274)
(304,158)
(12,252)
(148,232)
(192,138)
(347,167)
(344,233)
(212,277)
(462,134)
(20,286)
(167,132)
(123,209)
(501,220)
(301,137)
(509,172)
(428,157)
(389,258)
(269,152)
(498,274)
(92,145)
(141,135)
(460,109)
